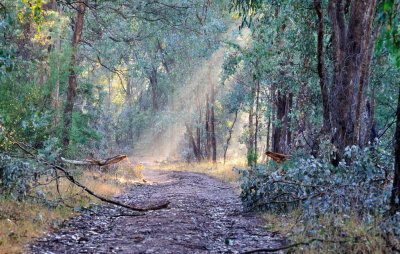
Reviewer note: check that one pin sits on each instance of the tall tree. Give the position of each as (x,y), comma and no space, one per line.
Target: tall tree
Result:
(353,37)
(352,32)
(72,83)
(212,125)
(321,64)
(154,88)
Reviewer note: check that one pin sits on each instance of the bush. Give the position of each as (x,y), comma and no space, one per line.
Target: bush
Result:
(14,176)
(361,184)
(327,197)
(19,175)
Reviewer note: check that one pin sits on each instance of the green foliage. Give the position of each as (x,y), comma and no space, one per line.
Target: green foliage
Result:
(82,132)
(20,110)
(7,52)
(326,198)
(390,35)
(14,176)
(246,9)
(19,176)
(356,185)
(251,157)
(36,11)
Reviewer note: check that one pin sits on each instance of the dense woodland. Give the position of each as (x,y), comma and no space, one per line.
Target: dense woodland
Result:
(305,91)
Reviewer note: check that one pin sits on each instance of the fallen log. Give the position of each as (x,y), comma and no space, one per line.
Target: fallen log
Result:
(100,163)
(278,157)
(70,178)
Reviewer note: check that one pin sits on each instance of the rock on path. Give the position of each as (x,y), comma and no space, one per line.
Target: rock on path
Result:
(205,216)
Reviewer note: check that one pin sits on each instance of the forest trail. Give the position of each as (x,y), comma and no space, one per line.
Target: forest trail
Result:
(205,216)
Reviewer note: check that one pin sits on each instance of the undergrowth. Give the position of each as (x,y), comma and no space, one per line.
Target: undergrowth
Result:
(327,209)
(45,206)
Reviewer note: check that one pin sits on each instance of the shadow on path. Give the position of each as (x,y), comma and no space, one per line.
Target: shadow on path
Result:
(205,216)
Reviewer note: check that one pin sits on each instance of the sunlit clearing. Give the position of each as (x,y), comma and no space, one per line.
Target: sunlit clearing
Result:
(218,170)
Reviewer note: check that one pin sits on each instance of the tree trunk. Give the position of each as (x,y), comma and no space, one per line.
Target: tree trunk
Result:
(198,132)
(287,126)
(321,65)
(212,123)
(251,157)
(267,146)
(257,118)
(208,129)
(164,56)
(56,92)
(72,82)
(230,135)
(129,100)
(196,150)
(351,41)
(154,88)
(250,142)
(279,137)
(395,197)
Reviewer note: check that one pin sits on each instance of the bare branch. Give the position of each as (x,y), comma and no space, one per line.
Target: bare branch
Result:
(86,189)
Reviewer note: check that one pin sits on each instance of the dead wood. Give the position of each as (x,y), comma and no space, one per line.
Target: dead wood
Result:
(87,190)
(278,157)
(100,163)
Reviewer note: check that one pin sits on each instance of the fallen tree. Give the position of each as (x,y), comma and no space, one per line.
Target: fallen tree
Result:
(100,163)
(70,178)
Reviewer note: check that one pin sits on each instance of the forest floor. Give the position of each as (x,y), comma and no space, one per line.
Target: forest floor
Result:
(205,216)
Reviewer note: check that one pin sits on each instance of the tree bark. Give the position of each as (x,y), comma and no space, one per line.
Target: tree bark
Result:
(154,88)
(282,135)
(267,145)
(72,82)
(395,197)
(208,129)
(257,120)
(196,150)
(198,137)
(199,123)
(250,144)
(212,122)
(288,129)
(321,65)
(351,39)
(251,150)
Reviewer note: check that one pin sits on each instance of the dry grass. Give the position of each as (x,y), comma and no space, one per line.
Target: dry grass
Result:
(343,234)
(20,222)
(218,170)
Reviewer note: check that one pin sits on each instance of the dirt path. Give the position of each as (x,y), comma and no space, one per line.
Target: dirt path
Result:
(205,216)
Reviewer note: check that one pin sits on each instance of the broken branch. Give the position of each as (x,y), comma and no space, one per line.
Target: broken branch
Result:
(89,191)
(100,163)
(278,157)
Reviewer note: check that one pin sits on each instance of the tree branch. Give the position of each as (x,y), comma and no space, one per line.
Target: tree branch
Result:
(86,189)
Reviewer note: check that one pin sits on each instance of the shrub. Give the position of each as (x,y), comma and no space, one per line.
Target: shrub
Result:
(19,175)
(327,197)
